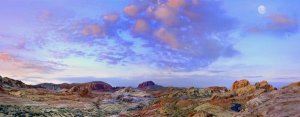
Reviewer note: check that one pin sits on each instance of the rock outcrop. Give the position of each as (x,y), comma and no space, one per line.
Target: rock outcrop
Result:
(92,86)
(149,85)
(278,103)
(215,110)
(56,87)
(68,86)
(239,84)
(293,85)
(217,89)
(243,87)
(264,85)
(245,90)
(49,86)
(11,83)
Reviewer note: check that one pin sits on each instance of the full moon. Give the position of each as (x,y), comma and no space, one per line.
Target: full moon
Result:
(261,9)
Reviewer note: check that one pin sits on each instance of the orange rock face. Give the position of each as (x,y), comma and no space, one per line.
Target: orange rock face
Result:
(264,85)
(239,84)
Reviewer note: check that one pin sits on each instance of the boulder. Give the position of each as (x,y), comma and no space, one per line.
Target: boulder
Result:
(264,85)
(92,86)
(239,84)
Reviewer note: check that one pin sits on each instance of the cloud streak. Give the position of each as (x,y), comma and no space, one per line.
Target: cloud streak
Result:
(278,24)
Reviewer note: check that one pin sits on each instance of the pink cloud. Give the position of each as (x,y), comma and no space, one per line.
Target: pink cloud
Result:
(5,57)
(16,65)
(141,26)
(45,15)
(112,17)
(281,21)
(92,30)
(165,14)
(176,3)
(167,37)
(277,23)
(131,10)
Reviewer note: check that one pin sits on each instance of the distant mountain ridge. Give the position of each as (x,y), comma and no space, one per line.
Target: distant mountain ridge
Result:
(73,87)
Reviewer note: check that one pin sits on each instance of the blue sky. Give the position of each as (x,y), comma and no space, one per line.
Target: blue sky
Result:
(173,42)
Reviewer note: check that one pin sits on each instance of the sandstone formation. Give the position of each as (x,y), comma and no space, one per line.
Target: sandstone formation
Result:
(217,89)
(92,86)
(239,84)
(243,87)
(278,103)
(264,85)
(149,85)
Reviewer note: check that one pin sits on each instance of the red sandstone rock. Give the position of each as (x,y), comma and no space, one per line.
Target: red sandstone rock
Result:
(146,84)
(149,85)
(239,84)
(278,103)
(92,86)
(264,85)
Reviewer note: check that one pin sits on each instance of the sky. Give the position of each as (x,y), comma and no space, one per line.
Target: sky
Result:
(172,42)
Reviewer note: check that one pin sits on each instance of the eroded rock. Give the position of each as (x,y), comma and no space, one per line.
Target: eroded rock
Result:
(264,85)
(239,84)
(149,85)
(278,103)
(92,86)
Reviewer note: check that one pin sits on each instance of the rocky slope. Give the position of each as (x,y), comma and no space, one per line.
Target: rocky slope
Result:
(11,83)
(278,103)
(56,87)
